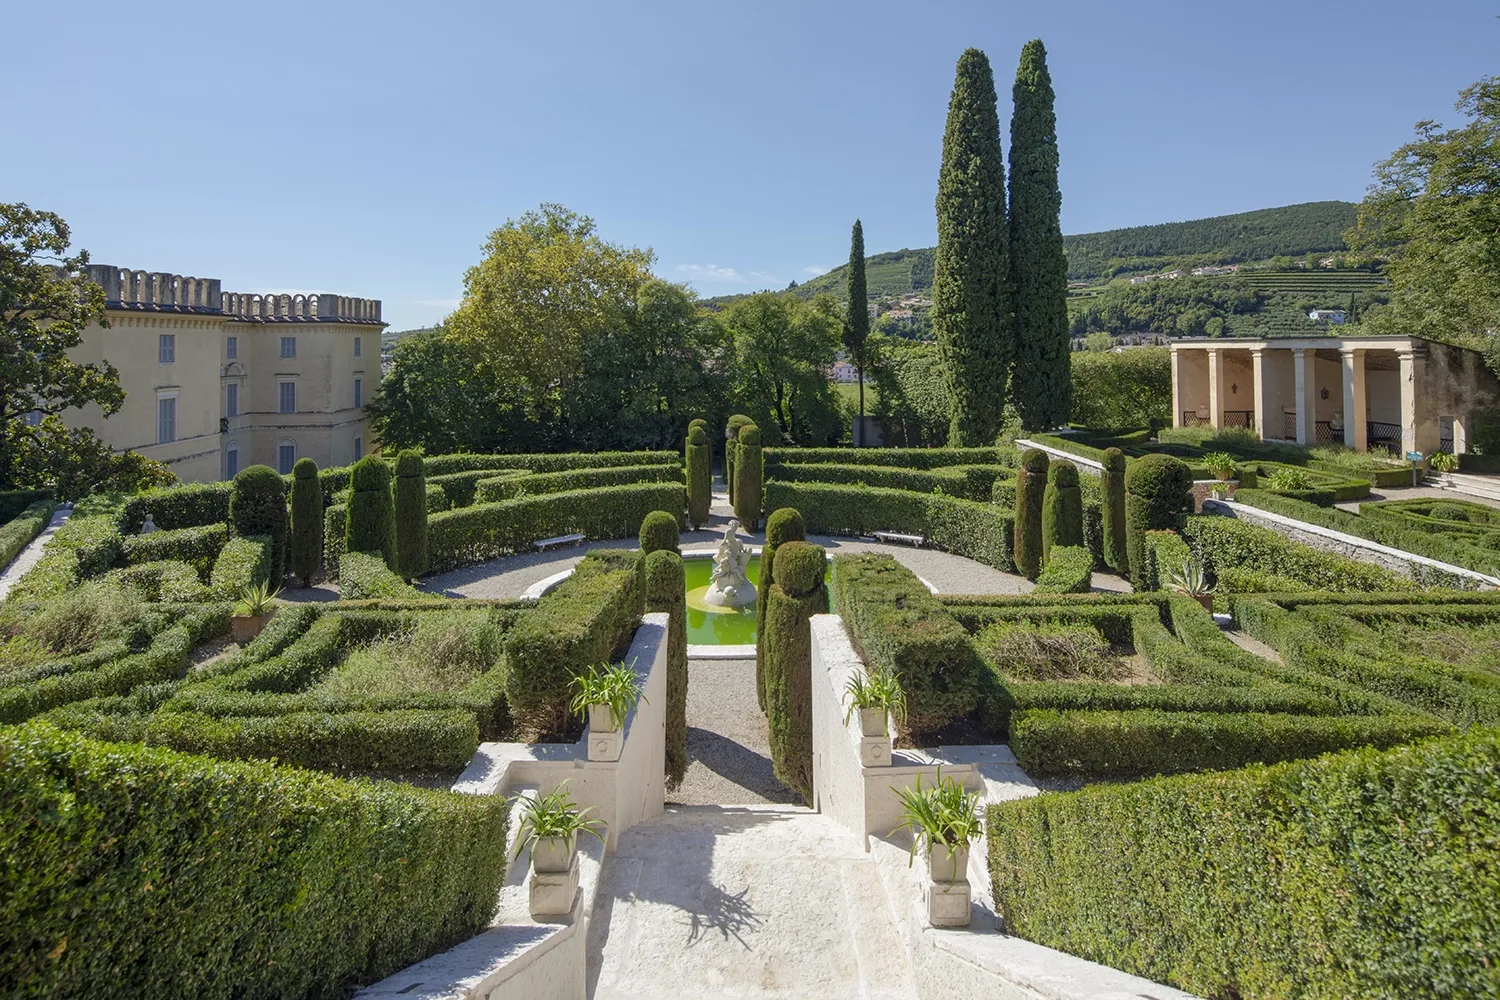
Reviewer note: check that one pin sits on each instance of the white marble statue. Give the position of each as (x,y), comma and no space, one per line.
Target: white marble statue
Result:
(729,587)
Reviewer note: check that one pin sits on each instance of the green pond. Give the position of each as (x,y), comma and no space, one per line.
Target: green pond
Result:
(709,626)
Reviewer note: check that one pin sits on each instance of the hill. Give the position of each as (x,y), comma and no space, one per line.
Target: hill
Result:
(1292,230)
(389,338)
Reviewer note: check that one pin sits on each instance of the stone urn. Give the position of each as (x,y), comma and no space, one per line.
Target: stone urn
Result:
(1207,600)
(944,865)
(243,628)
(872,722)
(553,855)
(602,720)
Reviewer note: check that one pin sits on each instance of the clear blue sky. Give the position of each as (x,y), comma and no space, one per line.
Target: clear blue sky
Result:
(368,149)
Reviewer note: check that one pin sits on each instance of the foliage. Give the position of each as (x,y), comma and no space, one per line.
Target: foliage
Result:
(199,547)
(243,562)
(796,596)
(410,508)
(510,484)
(874,689)
(911,401)
(1112,484)
(1132,388)
(659,532)
(17,532)
(1253,873)
(856,311)
(666,590)
(749,473)
(257,506)
(554,815)
(72,462)
(1062,510)
(370,522)
(1158,491)
(1224,542)
(365,574)
(901,458)
(731,445)
(784,524)
(306,521)
(1188,577)
(1285,479)
(1069,570)
(1031,486)
(942,814)
(699,460)
(971,308)
(614,685)
(782,347)
(1040,385)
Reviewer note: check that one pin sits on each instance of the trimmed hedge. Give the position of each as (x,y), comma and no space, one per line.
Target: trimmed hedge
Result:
(365,575)
(971,482)
(666,590)
(783,525)
(1367,873)
(369,522)
(659,532)
(459,487)
(1112,485)
(190,505)
(797,595)
(700,476)
(445,465)
(17,533)
(335,527)
(163,874)
(749,477)
(257,506)
(13,502)
(1223,541)
(1031,486)
(1069,571)
(410,530)
(731,445)
(306,521)
(166,580)
(904,458)
(1062,509)
(242,563)
(1158,492)
(86,545)
(527,484)
(198,547)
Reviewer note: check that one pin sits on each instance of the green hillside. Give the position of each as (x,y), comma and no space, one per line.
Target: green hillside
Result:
(1292,230)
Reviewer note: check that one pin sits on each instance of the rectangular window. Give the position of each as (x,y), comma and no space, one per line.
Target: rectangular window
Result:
(232,462)
(166,420)
(33,418)
(286,457)
(166,348)
(288,347)
(359,448)
(357,346)
(287,398)
(232,399)
(232,347)
(359,392)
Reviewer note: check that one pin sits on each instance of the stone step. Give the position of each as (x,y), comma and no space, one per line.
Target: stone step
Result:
(1487,487)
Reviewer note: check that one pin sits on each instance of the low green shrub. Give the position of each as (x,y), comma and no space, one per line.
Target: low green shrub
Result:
(797,595)
(1224,541)
(169,580)
(460,487)
(1366,873)
(257,506)
(510,487)
(1070,570)
(434,466)
(164,874)
(198,547)
(243,563)
(86,545)
(17,533)
(364,575)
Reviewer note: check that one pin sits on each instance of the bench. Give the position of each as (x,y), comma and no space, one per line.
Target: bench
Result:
(894,536)
(551,543)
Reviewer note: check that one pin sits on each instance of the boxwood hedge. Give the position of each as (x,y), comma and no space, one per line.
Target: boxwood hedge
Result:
(17,533)
(569,480)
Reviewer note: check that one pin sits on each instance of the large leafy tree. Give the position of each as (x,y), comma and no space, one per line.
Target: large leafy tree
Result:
(1434,209)
(857,319)
(1039,269)
(971,313)
(46,304)
(782,347)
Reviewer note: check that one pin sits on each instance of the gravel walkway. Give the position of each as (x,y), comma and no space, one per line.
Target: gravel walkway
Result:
(1415,493)
(729,750)
(32,553)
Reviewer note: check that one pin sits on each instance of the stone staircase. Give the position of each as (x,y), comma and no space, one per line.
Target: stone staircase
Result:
(1467,484)
(719,902)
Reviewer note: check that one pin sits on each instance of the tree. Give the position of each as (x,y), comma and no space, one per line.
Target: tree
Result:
(857,319)
(971,313)
(1435,210)
(410,506)
(782,348)
(1038,266)
(306,520)
(46,302)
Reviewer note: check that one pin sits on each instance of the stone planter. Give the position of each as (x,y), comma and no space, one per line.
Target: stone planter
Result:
(1207,600)
(946,867)
(553,855)
(243,628)
(1224,476)
(872,722)
(602,720)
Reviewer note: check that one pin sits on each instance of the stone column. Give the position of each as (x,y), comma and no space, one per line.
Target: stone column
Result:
(1176,390)
(1355,424)
(1408,385)
(1215,388)
(1261,398)
(1303,359)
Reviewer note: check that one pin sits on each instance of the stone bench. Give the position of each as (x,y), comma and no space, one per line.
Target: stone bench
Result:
(896,536)
(542,545)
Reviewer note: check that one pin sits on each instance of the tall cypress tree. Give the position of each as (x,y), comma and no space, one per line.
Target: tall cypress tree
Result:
(971,313)
(1041,384)
(857,320)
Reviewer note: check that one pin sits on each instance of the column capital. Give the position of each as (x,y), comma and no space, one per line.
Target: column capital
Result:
(1352,352)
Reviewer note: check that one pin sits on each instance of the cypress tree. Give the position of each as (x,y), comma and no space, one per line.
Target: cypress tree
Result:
(971,314)
(1041,384)
(784,525)
(857,319)
(1112,485)
(731,442)
(699,477)
(369,525)
(307,520)
(1062,510)
(411,516)
(1031,487)
(747,477)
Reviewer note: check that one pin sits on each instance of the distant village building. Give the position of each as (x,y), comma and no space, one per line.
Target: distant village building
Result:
(1333,316)
(1208,272)
(1163,276)
(843,371)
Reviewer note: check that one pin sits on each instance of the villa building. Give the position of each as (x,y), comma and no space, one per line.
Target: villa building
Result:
(218,381)
(1402,393)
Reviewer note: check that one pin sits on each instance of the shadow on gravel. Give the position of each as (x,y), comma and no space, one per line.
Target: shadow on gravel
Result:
(739,764)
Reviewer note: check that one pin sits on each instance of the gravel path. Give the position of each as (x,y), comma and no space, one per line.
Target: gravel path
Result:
(32,553)
(729,750)
(1415,493)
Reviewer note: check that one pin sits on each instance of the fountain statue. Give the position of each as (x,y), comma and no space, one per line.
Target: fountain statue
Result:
(729,587)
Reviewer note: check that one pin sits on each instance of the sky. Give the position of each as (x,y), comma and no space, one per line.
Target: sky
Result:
(368,148)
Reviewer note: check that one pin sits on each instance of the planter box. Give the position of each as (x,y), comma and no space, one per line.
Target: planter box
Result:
(243,628)
(602,720)
(944,867)
(553,854)
(873,722)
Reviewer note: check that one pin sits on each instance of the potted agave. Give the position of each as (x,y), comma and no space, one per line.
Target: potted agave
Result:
(606,694)
(254,608)
(550,825)
(877,697)
(944,820)
(1190,579)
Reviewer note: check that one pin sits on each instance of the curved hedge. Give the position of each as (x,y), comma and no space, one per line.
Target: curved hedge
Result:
(535,484)
(199,547)
(904,458)
(17,533)
(1070,570)
(972,482)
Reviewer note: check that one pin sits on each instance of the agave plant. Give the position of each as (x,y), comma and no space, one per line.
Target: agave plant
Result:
(941,814)
(611,684)
(875,689)
(1189,578)
(255,600)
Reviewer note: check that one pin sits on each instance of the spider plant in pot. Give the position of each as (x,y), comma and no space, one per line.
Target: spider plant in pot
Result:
(254,608)
(944,820)
(1190,579)
(1220,463)
(606,694)
(877,696)
(550,825)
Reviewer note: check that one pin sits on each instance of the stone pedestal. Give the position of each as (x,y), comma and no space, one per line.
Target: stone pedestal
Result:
(606,746)
(875,751)
(948,903)
(552,892)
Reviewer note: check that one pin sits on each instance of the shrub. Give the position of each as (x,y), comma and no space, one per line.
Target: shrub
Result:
(1048,651)
(1112,483)
(164,874)
(1003,494)
(700,476)
(904,458)
(666,590)
(1158,491)
(659,532)
(198,547)
(365,574)
(369,521)
(190,505)
(972,482)
(1031,485)
(85,546)
(13,502)
(731,445)
(307,520)
(1367,873)
(445,465)
(748,477)
(797,595)
(1070,570)
(512,485)
(411,517)
(1223,541)
(1062,510)
(164,580)
(335,526)
(242,563)
(784,525)
(18,532)
(257,506)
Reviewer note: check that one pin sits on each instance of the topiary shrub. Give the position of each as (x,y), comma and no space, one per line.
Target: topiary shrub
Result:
(1003,494)
(1062,510)
(257,506)
(411,517)
(307,521)
(1448,512)
(1031,486)
(666,590)
(369,523)
(700,476)
(1158,492)
(797,595)
(731,444)
(659,533)
(1112,483)
(784,525)
(747,477)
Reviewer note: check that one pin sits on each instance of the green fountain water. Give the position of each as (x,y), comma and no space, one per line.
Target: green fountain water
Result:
(709,625)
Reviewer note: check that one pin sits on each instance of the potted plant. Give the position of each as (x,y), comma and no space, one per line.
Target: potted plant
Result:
(1444,463)
(606,694)
(1190,579)
(1220,490)
(944,820)
(254,608)
(877,696)
(550,825)
(1220,463)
